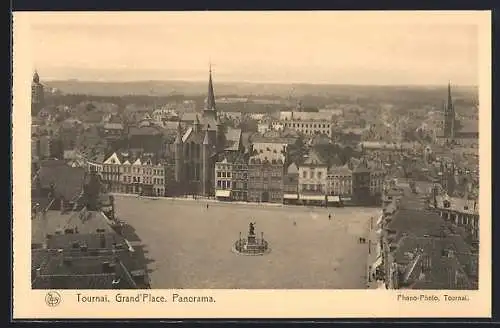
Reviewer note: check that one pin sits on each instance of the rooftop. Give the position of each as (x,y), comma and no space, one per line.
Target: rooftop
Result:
(68,181)
(462,205)
(54,222)
(416,222)
(447,255)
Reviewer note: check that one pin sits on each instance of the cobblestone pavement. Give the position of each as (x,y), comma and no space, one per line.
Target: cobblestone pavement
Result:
(189,246)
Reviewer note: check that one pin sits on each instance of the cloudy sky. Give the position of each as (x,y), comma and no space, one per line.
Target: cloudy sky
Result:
(311,47)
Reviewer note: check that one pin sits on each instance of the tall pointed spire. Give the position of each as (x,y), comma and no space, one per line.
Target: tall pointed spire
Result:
(210,96)
(449,95)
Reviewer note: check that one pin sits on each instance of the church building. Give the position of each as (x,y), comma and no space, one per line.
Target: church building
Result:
(196,149)
(460,132)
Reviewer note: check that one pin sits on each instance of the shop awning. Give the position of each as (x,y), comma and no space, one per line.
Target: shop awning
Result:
(312,197)
(346,198)
(291,196)
(222,193)
(333,198)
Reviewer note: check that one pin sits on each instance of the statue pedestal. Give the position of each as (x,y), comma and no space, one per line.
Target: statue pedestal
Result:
(251,239)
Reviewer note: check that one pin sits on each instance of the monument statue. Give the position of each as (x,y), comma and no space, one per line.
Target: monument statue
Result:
(251,230)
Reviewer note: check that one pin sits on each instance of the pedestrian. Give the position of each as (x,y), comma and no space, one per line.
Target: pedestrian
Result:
(329,216)
(207,206)
(294,223)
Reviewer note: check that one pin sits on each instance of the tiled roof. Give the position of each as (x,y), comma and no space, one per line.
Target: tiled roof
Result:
(416,222)
(468,126)
(91,239)
(94,281)
(462,205)
(292,169)
(55,221)
(144,130)
(233,134)
(267,157)
(314,158)
(256,138)
(344,169)
(362,167)
(412,252)
(68,181)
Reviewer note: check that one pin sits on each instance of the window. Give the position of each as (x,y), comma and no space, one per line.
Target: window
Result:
(304,174)
(218,174)
(228,174)
(223,174)
(229,184)
(218,183)
(319,175)
(312,175)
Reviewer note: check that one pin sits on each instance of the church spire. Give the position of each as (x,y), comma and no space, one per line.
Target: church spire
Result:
(211,96)
(449,95)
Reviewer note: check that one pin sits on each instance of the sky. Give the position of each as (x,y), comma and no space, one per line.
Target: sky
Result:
(307,47)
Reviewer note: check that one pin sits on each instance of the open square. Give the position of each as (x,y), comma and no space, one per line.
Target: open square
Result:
(189,245)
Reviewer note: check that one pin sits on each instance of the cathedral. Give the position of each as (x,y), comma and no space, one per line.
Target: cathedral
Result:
(196,149)
(463,132)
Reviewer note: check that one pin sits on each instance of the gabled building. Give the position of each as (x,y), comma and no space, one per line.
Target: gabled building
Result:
(231,177)
(313,179)
(291,184)
(339,181)
(135,173)
(265,175)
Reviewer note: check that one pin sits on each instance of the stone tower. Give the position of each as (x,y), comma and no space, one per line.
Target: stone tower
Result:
(37,94)
(179,154)
(449,116)
(210,109)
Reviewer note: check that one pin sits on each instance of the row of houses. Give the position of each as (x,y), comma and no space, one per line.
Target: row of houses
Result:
(264,176)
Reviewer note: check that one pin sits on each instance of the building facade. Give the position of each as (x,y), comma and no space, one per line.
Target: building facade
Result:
(265,176)
(134,174)
(313,174)
(340,181)
(231,178)
(291,184)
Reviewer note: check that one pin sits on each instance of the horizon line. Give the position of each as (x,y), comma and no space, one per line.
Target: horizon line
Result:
(261,82)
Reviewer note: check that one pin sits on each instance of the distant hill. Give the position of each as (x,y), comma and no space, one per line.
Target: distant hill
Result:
(197,88)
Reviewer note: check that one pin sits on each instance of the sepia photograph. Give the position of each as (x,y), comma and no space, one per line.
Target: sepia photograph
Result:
(252,151)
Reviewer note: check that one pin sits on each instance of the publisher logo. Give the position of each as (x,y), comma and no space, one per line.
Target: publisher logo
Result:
(53,299)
